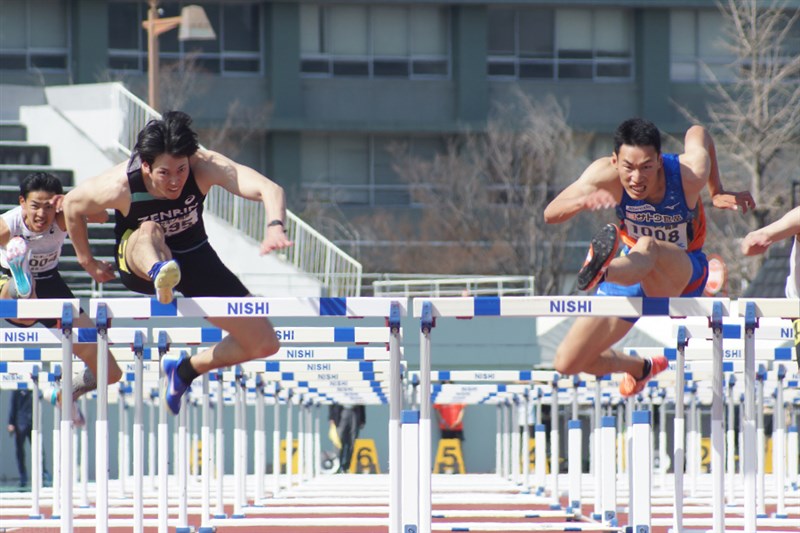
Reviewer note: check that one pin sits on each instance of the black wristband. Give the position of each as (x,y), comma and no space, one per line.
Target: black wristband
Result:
(276,222)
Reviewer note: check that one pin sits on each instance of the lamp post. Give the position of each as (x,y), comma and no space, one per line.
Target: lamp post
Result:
(194,25)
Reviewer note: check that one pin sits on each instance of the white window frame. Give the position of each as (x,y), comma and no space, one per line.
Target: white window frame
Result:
(31,51)
(222,55)
(556,63)
(696,61)
(324,190)
(370,58)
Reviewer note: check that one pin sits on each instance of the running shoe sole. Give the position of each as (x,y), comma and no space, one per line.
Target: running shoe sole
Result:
(602,250)
(166,280)
(17,256)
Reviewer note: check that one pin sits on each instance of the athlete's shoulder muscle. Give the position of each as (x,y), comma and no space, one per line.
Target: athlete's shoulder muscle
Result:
(109,190)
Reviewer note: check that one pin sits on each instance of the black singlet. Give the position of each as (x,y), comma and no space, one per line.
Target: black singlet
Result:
(181,219)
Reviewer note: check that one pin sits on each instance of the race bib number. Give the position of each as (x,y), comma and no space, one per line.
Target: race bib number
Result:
(676,234)
(43,262)
(177,225)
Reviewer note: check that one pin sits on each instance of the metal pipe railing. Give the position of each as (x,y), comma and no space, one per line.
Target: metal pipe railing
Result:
(312,253)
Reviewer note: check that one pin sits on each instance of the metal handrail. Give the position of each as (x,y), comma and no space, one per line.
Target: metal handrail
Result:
(312,253)
(456,286)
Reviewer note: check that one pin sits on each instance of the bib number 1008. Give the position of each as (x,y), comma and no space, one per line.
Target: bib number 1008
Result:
(661,234)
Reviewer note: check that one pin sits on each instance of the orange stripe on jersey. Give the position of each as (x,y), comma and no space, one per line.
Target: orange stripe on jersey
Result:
(698,227)
(698,230)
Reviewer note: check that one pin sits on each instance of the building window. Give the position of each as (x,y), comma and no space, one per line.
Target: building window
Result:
(34,35)
(560,44)
(235,52)
(358,169)
(698,45)
(696,39)
(374,41)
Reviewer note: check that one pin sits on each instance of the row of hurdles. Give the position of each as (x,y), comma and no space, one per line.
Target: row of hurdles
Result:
(363,376)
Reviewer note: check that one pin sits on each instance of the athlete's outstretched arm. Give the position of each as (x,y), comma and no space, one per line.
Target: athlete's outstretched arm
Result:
(213,168)
(699,139)
(91,197)
(5,233)
(756,242)
(599,187)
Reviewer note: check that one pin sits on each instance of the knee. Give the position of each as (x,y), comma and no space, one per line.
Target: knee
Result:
(646,245)
(263,345)
(150,229)
(269,346)
(566,363)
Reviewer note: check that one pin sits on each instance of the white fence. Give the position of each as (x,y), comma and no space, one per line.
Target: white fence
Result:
(421,285)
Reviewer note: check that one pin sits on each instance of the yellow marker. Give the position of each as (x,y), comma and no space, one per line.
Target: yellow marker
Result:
(705,454)
(532,457)
(449,459)
(768,456)
(295,445)
(365,458)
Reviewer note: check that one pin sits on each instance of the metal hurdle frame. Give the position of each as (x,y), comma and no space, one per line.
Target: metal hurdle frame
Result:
(730,329)
(104,309)
(63,309)
(428,309)
(752,310)
(19,375)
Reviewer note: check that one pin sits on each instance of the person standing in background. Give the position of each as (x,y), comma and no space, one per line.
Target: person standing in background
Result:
(347,420)
(20,426)
(451,420)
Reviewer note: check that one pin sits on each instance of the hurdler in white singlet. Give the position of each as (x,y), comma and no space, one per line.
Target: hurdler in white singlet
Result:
(45,247)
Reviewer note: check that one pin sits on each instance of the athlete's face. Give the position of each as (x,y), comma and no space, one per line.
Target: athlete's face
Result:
(168,175)
(638,168)
(38,210)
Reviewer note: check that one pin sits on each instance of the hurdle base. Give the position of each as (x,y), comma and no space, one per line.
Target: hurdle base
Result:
(781,515)
(220,516)
(239,515)
(184,529)
(36,516)
(207,529)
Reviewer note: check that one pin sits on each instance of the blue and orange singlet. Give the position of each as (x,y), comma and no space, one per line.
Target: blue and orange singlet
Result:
(671,220)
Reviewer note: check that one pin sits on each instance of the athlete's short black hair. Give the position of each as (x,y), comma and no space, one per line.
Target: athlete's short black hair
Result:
(40,181)
(637,132)
(172,135)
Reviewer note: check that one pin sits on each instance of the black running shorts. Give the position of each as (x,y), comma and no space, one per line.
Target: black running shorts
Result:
(202,274)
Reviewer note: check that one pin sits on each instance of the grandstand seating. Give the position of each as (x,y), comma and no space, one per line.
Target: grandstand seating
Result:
(17,159)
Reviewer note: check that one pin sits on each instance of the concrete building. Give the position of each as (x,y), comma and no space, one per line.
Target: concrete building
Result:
(343,80)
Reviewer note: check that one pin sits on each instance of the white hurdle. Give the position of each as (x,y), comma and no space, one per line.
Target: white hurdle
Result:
(16,376)
(306,389)
(753,310)
(143,308)
(64,309)
(429,309)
